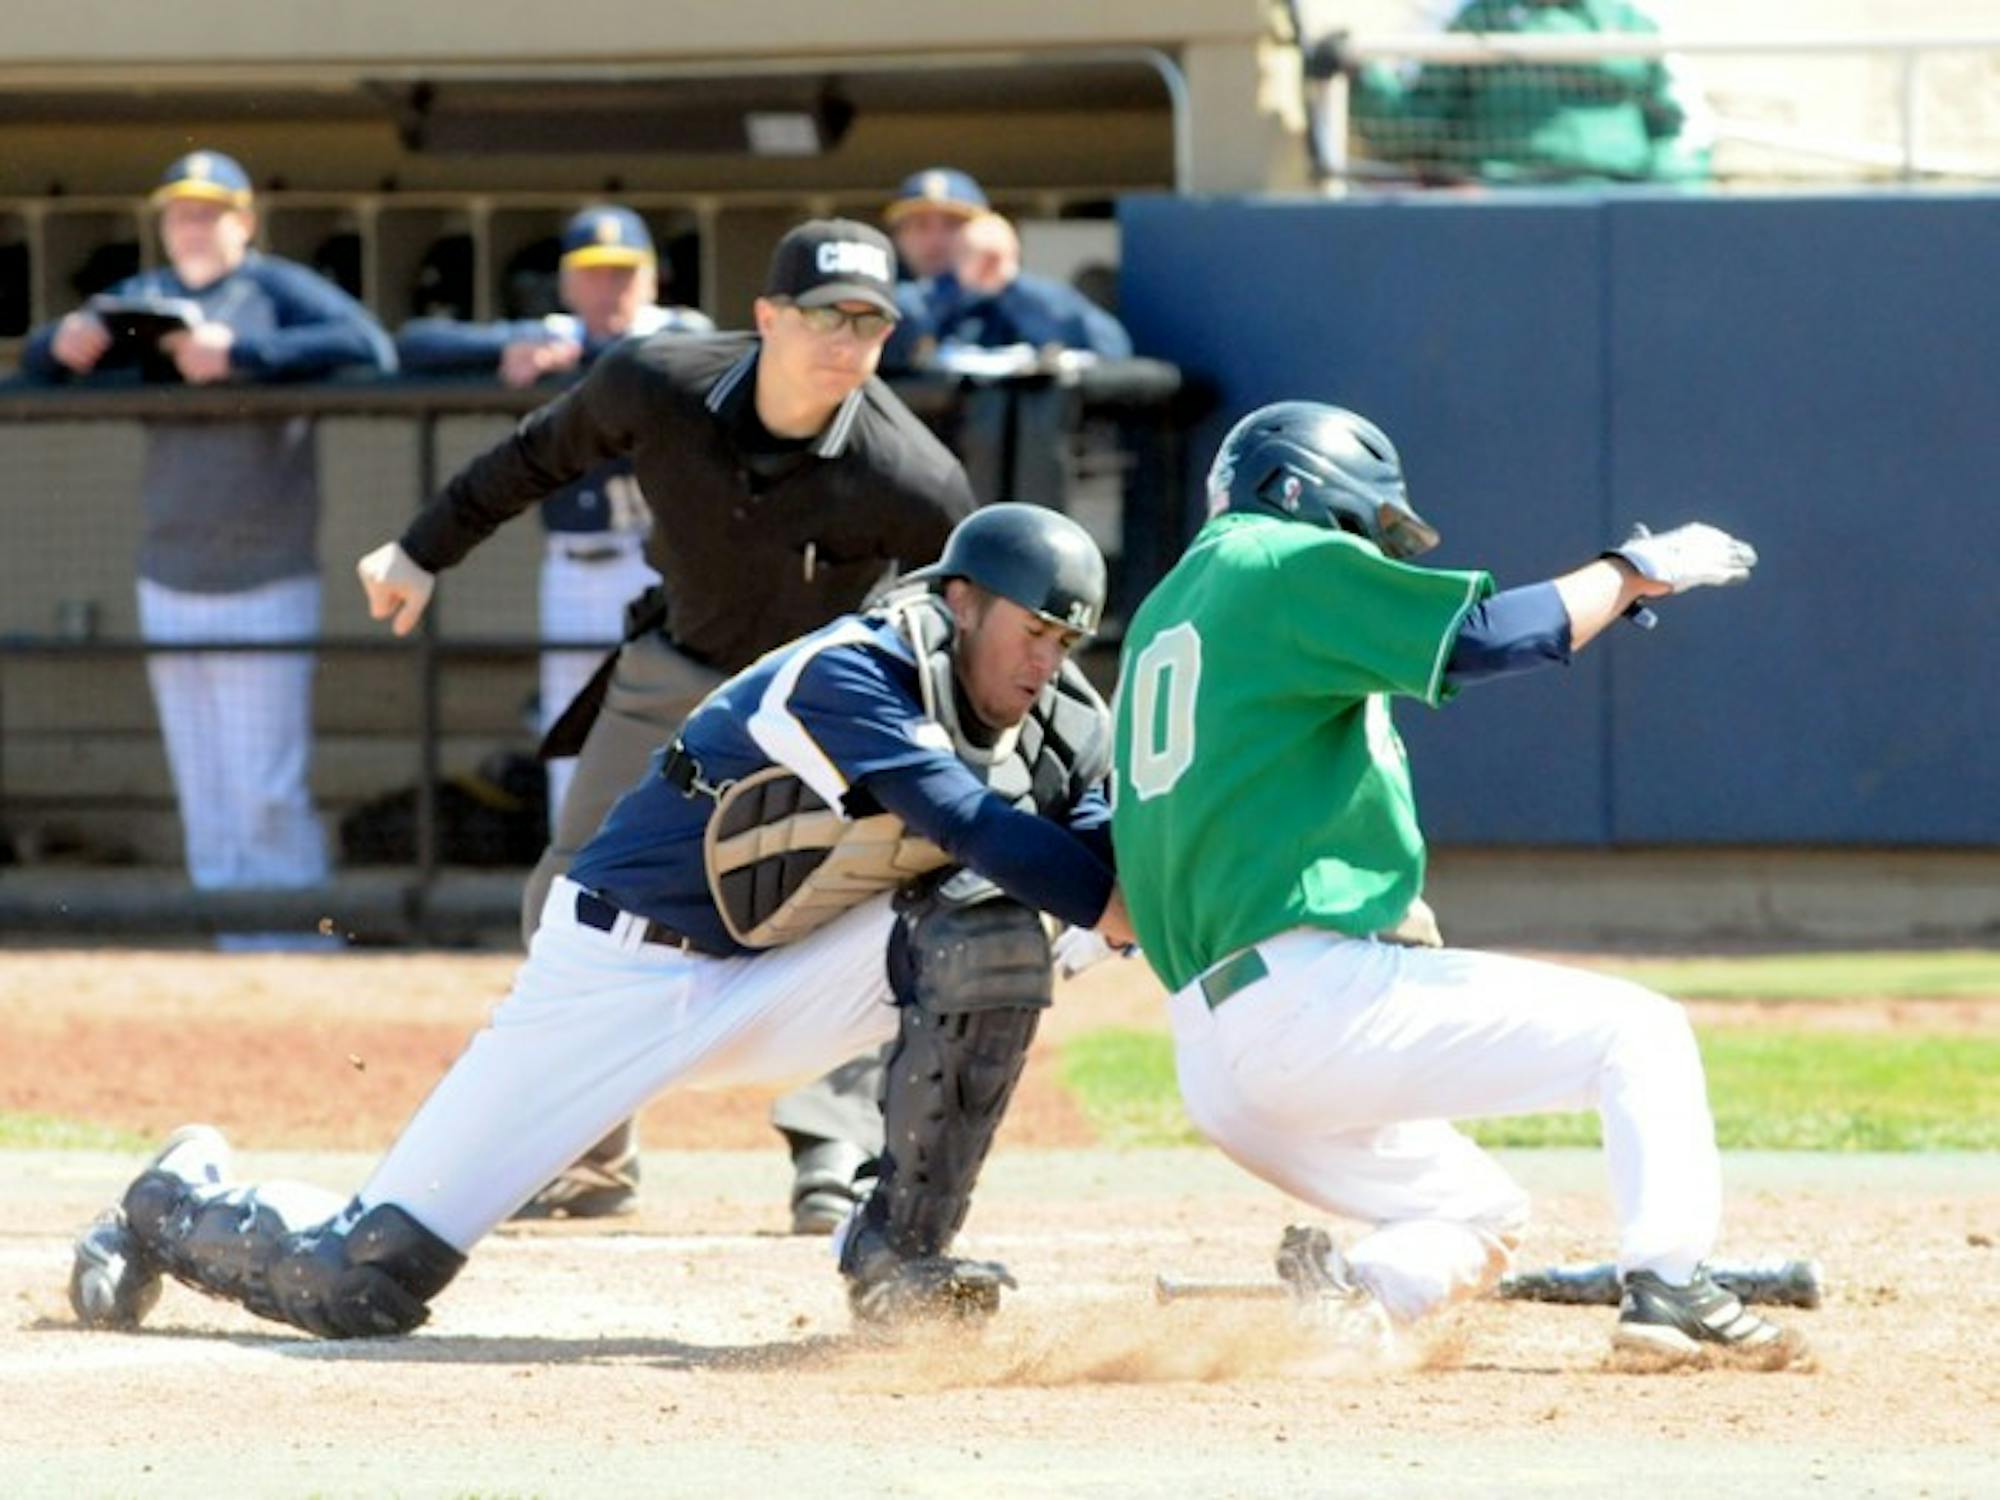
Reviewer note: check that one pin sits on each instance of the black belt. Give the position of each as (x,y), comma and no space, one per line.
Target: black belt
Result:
(592,910)
(1231,976)
(593,554)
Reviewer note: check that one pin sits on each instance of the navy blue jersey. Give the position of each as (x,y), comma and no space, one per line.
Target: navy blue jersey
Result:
(232,505)
(841,709)
(1032,310)
(288,322)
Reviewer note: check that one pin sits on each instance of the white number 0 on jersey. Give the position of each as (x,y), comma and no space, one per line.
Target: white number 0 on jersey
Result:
(1167,672)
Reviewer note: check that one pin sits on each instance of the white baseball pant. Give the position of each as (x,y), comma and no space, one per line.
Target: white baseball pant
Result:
(583,601)
(238,730)
(1335,1076)
(596,1024)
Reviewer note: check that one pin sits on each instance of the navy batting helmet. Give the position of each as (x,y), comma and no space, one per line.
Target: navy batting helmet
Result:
(1039,558)
(1305,461)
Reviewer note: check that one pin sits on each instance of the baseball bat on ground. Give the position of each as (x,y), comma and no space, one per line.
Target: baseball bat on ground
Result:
(1773,1280)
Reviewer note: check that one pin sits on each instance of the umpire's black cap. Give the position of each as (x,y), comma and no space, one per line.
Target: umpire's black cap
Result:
(825,261)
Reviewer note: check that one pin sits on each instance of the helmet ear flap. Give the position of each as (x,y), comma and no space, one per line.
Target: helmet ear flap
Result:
(1281,489)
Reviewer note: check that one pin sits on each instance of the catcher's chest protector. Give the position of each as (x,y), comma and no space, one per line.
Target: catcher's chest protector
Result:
(782,863)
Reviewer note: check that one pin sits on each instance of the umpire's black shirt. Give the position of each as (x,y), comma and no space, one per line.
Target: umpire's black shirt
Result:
(759,538)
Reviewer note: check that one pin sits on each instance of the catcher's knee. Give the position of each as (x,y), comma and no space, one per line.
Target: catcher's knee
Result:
(971,972)
(963,946)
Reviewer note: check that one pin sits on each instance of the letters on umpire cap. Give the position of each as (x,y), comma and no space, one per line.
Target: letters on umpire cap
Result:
(824,261)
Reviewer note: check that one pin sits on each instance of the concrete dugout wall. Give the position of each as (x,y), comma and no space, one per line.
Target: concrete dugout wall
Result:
(1819,375)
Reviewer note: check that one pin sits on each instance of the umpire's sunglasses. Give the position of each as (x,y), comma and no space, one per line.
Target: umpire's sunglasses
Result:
(827,321)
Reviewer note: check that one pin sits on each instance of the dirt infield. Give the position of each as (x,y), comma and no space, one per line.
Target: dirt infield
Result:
(695,1349)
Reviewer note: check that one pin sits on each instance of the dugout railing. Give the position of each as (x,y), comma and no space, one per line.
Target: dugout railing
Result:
(413,728)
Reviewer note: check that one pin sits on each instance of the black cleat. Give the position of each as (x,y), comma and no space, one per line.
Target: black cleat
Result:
(935,1289)
(1663,1326)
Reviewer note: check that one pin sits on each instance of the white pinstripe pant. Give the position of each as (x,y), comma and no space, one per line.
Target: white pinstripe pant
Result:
(583,601)
(238,731)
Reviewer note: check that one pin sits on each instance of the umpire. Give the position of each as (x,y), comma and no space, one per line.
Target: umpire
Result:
(785,480)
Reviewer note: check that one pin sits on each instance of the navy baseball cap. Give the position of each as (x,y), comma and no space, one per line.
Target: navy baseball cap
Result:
(607,236)
(945,189)
(825,261)
(207,175)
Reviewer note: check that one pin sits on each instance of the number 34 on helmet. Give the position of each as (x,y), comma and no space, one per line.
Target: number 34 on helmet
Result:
(1039,558)
(1324,465)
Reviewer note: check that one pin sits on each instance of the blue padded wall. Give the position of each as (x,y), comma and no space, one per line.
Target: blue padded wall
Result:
(1818,374)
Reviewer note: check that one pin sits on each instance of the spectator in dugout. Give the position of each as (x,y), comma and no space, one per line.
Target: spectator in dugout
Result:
(230,513)
(594,560)
(1001,306)
(925,219)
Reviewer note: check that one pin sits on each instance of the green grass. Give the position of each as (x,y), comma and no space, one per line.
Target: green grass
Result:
(1770,1090)
(1124,1082)
(1943,975)
(20,1132)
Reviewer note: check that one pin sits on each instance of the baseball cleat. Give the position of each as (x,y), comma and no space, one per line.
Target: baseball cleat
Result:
(829,1179)
(588,1189)
(1327,1301)
(112,1283)
(934,1289)
(1662,1326)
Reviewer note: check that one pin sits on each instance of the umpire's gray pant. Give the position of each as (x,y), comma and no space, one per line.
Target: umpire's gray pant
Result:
(653,689)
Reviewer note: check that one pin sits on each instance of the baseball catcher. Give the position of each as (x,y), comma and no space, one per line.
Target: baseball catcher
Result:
(850,842)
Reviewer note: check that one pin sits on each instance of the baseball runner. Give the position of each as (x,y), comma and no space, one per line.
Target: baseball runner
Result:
(784,481)
(231,513)
(1274,867)
(849,842)
(594,563)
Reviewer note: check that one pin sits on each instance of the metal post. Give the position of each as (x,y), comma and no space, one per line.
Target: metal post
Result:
(5,836)
(429,709)
(1912,61)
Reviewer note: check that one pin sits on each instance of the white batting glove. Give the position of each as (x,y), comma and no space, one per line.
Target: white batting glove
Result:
(1688,557)
(395,585)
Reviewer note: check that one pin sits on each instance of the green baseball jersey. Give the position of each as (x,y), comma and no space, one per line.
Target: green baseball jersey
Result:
(1260,783)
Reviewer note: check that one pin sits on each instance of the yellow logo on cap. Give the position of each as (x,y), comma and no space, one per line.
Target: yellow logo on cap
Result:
(607,231)
(936,185)
(201,166)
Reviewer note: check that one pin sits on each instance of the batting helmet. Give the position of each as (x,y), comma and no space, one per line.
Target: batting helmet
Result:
(1039,558)
(1305,461)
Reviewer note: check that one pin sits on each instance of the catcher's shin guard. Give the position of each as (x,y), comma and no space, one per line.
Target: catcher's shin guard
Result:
(354,1275)
(970,969)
